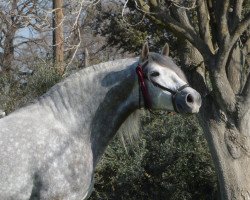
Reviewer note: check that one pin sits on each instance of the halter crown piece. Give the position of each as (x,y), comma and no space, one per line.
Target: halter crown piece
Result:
(144,89)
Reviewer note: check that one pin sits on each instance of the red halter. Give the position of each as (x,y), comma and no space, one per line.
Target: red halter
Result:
(144,89)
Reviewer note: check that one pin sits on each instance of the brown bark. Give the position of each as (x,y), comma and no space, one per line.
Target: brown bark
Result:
(230,152)
(234,69)
(229,141)
(8,46)
(204,23)
(58,39)
(86,57)
(8,55)
(18,15)
(225,113)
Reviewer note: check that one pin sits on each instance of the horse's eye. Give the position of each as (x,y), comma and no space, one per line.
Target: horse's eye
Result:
(155,74)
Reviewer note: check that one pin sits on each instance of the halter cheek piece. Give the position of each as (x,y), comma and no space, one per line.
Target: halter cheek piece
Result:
(144,89)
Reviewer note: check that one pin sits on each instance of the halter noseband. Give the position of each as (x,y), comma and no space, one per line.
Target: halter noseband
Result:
(144,89)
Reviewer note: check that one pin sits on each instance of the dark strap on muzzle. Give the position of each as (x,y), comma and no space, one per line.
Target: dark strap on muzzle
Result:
(167,89)
(144,88)
(174,93)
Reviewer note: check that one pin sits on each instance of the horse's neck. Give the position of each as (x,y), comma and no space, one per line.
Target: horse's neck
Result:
(119,102)
(95,104)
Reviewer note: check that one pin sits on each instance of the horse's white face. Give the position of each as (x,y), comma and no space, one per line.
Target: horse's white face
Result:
(161,72)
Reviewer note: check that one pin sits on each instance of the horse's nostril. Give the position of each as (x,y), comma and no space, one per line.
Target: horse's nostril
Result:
(190,98)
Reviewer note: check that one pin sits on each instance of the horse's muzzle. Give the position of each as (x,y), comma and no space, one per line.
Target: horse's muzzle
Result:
(188,101)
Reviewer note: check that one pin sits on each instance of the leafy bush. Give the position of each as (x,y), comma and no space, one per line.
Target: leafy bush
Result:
(13,95)
(170,161)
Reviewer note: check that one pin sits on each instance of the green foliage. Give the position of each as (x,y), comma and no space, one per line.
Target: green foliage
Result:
(173,161)
(170,161)
(43,79)
(10,93)
(131,31)
(13,95)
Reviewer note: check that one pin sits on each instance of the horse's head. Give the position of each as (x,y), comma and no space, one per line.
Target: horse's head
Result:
(166,85)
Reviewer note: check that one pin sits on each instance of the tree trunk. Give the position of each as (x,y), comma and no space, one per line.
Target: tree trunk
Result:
(8,54)
(230,149)
(58,39)
(225,112)
(234,71)
(227,134)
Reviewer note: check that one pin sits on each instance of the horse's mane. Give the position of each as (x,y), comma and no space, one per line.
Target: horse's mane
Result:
(105,65)
(129,130)
(130,127)
(85,72)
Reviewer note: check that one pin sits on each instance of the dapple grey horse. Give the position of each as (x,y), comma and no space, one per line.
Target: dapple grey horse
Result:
(49,149)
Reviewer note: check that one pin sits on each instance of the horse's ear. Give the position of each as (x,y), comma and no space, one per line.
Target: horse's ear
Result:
(145,52)
(165,50)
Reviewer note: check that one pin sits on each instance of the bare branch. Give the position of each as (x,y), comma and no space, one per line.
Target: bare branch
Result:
(246,48)
(204,27)
(142,6)
(246,51)
(222,12)
(223,91)
(35,41)
(234,68)
(246,91)
(123,18)
(181,15)
(86,57)
(213,23)
(223,54)
(75,49)
(241,28)
(246,78)
(183,30)
(185,7)
(5,19)
(187,33)
(237,9)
